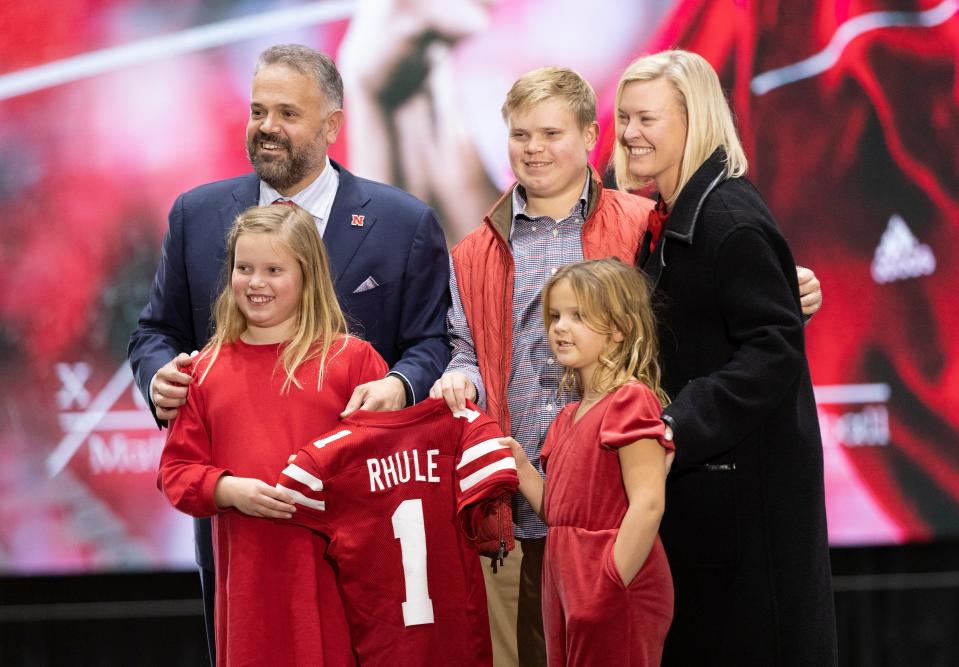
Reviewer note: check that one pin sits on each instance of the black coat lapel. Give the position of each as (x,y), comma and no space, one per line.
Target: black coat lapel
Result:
(652,263)
(681,223)
(643,253)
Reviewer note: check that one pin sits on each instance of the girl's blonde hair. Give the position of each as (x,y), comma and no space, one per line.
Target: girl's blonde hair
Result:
(709,121)
(319,320)
(614,297)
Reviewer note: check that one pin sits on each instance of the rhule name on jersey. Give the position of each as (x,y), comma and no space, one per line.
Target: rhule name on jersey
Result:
(398,469)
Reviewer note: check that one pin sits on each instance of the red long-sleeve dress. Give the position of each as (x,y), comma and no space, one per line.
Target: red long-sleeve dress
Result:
(276,596)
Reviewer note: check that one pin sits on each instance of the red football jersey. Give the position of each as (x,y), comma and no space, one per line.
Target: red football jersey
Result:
(388,489)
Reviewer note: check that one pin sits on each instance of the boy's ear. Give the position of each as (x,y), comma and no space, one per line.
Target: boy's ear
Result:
(591,135)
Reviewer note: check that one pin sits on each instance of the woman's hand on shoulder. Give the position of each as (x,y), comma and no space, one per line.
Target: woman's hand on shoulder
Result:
(253,497)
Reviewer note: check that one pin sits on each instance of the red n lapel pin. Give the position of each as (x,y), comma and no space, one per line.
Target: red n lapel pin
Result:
(357,220)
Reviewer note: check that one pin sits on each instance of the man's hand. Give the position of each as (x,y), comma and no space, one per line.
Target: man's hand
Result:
(810,292)
(455,388)
(377,396)
(169,387)
(253,497)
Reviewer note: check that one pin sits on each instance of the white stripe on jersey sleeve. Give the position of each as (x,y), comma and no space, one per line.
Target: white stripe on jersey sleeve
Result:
(323,442)
(299,498)
(508,463)
(294,471)
(473,452)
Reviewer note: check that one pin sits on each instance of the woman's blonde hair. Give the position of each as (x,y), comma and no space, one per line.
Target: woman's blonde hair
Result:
(709,121)
(613,297)
(319,320)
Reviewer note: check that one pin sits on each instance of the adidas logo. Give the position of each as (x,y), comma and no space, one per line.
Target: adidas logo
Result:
(900,256)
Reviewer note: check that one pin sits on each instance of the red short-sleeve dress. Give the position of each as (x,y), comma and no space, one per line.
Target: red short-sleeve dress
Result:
(590,616)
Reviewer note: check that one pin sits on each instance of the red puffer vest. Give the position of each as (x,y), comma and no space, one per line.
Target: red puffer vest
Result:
(484,273)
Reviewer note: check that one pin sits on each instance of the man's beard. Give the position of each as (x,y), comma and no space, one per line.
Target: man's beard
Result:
(282,172)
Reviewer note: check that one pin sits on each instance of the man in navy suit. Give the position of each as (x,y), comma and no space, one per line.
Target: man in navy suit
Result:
(386,248)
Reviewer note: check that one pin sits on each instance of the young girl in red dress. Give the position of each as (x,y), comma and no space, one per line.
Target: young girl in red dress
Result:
(607,591)
(278,370)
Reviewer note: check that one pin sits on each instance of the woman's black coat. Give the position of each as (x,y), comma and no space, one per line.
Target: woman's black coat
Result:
(745,521)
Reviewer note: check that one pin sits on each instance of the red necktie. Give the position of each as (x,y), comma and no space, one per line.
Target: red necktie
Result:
(656,222)
(285,202)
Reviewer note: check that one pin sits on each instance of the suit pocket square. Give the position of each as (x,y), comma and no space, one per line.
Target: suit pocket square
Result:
(366,285)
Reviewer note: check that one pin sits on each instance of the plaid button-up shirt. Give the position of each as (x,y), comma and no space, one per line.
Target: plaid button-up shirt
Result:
(540,246)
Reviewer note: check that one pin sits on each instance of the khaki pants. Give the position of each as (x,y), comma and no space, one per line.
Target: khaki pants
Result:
(515,610)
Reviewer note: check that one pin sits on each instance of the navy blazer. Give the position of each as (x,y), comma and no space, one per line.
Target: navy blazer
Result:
(400,245)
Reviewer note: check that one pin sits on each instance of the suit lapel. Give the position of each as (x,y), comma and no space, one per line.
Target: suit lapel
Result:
(343,236)
(246,194)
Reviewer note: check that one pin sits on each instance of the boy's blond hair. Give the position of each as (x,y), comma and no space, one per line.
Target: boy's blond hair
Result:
(319,320)
(613,297)
(547,83)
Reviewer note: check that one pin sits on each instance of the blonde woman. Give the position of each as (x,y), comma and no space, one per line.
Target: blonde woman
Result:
(745,522)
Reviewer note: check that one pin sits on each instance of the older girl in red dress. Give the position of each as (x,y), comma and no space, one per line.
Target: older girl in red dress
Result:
(278,370)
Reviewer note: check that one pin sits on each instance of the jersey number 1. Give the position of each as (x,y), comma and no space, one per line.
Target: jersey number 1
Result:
(410,530)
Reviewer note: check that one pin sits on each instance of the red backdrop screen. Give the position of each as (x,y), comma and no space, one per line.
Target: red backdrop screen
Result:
(849,111)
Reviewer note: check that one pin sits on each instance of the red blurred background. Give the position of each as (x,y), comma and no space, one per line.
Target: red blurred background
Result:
(849,110)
